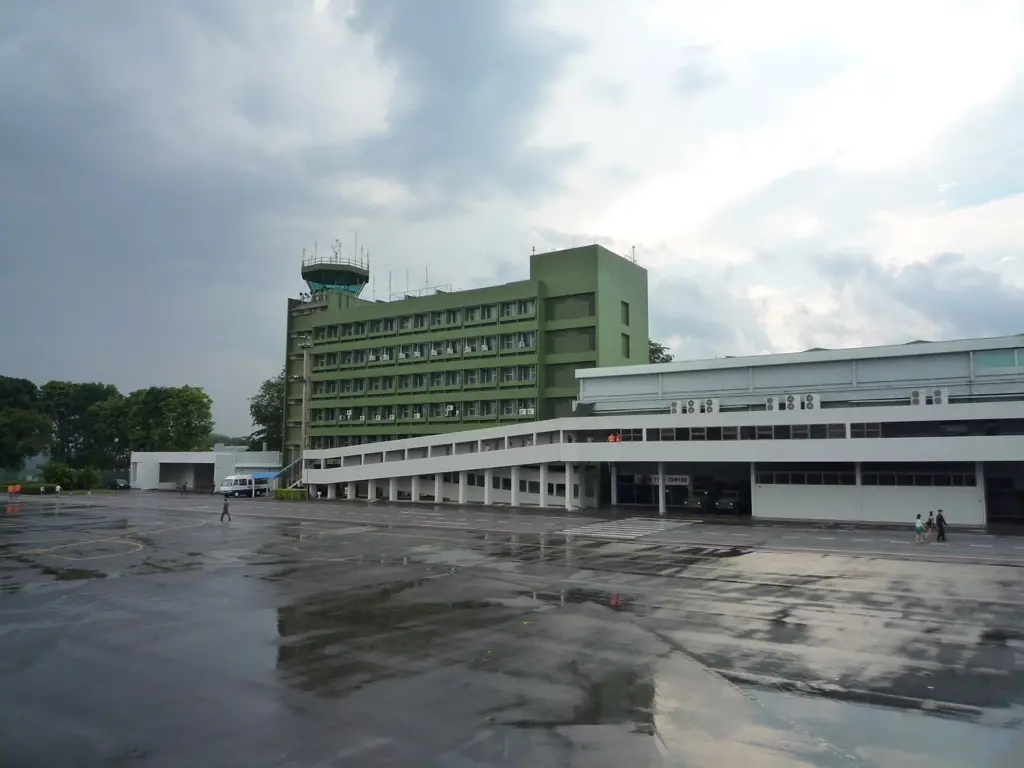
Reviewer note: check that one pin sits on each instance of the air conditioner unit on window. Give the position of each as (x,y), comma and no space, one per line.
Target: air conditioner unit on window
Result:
(522,411)
(433,352)
(675,408)
(449,408)
(810,402)
(377,417)
(530,411)
(522,345)
(371,358)
(401,355)
(348,414)
(691,407)
(709,405)
(791,402)
(417,415)
(484,348)
(385,356)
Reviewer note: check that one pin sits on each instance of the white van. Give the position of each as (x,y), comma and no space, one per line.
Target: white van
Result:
(244,485)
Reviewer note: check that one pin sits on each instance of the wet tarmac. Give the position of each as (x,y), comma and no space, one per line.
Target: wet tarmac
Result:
(134,635)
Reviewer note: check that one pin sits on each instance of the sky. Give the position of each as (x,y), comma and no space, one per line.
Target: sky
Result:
(792,174)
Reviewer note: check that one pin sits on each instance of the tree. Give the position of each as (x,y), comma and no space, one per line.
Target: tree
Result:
(24,426)
(267,410)
(168,419)
(658,353)
(76,440)
(59,473)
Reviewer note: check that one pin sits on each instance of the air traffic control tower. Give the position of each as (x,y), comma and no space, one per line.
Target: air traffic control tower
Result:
(335,273)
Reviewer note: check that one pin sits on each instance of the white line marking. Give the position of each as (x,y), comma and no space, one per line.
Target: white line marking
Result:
(987,546)
(861,539)
(825,538)
(792,537)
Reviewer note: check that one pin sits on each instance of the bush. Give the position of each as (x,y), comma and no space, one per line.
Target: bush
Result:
(291,494)
(58,473)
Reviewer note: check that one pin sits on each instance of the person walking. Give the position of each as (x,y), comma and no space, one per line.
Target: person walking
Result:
(940,526)
(224,511)
(918,529)
(929,525)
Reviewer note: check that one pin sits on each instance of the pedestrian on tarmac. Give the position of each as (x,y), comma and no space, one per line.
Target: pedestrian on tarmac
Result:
(918,529)
(17,491)
(940,525)
(224,511)
(929,526)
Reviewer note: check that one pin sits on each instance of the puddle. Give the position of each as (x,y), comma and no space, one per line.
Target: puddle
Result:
(334,643)
(616,601)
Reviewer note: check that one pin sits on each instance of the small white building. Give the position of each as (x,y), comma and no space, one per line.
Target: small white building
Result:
(199,470)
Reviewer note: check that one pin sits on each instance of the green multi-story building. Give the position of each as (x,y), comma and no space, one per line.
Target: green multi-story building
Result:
(443,361)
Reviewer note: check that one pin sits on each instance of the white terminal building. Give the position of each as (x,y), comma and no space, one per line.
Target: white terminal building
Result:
(875,434)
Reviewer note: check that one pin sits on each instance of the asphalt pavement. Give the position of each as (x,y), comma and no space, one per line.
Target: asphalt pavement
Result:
(140,630)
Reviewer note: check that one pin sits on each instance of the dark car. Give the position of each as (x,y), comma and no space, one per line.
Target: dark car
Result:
(698,501)
(732,502)
(120,485)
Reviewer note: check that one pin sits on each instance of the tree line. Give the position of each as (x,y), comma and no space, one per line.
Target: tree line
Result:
(266,407)
(90,425)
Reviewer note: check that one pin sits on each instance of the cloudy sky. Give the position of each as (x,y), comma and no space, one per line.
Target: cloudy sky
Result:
(793,174)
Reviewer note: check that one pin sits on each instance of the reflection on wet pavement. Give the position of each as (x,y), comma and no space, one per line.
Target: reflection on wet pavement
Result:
(297,644)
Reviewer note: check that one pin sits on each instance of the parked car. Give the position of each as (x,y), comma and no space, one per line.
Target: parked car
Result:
(698,501)
(732,502)
(120,485)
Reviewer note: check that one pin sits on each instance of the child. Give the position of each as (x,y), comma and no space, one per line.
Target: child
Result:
(919,529)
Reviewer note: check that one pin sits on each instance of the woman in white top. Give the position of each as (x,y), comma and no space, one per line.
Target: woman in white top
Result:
(919,529)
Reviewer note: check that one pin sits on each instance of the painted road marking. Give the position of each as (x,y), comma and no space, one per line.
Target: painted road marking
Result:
(987,546)
(861,539)
(630,528)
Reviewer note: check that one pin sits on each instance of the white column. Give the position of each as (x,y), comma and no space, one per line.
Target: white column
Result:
(415,487)
(488,482)
(661,488)
(463,477)
(568,486)
(350,492)
(857,474)
(332,490)
(514,501)
(614,473)
(438,488)
(392,489)
(543,486)
(371,490)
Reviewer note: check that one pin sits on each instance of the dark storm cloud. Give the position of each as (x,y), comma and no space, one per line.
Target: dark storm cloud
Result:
(477,76)
(140,250)
(962,299)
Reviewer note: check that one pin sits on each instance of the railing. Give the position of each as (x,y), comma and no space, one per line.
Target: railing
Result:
(290,476)
(335,260)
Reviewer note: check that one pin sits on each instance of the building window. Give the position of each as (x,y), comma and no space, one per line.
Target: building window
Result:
(625,313)
(625,345)
(994,360)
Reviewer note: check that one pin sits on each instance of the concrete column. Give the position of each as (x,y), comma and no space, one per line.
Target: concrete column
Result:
(979,478)
(415,487)
(568,486)
(543,502)
(371,490)
(661,488)
(514,501)
(438,488)
(332,490)
(463,477)
(392,489)
(350,492)
(856,474)
(614,481)
(488,482)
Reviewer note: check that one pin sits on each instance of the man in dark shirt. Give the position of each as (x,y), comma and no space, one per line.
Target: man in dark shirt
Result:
(940,525)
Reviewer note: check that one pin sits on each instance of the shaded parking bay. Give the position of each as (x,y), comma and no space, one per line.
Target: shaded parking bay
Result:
(137,637)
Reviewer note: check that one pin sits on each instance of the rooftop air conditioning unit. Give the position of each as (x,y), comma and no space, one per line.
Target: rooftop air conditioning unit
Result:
(916,397)
(772,404)
(371,358)
(709,405)
(531,411)
(791,402)
(810,402)
(401,355)
(936,397)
